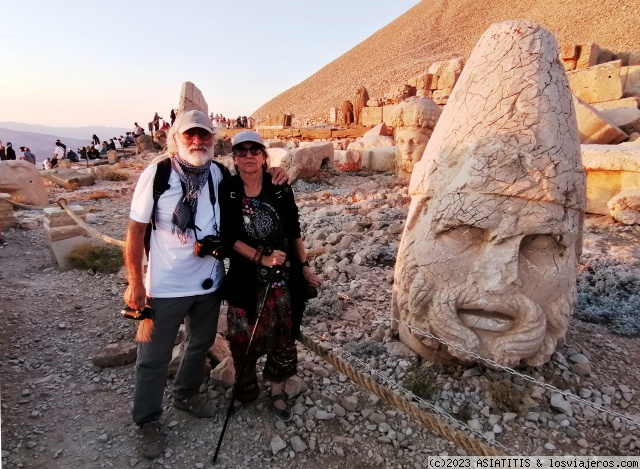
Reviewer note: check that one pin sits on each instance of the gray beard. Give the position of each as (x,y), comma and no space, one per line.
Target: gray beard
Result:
(528,332)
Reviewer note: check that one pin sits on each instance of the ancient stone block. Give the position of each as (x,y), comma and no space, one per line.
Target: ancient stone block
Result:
(500,183)
(387,114)
(569,52)
(598,83)
(588,57)
(59,233)
(594,127)
(191,98)
(610,170)
(371,116)
(113,157)
(381,159)
(60,251)
(56,216)
(631,80)
(333,115)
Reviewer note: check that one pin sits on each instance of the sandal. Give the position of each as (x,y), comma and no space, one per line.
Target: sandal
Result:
(151,444)
(286,414)
(198,406)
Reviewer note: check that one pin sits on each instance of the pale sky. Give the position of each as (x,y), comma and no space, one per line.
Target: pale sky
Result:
(113,62)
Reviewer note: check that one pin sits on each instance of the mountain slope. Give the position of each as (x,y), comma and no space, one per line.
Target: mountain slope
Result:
(439,29)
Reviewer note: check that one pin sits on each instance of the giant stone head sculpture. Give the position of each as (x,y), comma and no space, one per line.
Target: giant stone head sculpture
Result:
(414,120)
(488,257)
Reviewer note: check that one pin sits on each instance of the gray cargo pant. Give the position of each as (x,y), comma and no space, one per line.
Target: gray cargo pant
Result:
(200,314)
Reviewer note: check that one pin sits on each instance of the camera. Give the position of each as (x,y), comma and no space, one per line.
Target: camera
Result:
(146,313)
(210,245)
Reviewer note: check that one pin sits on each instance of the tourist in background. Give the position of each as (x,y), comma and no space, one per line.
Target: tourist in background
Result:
(11,153)
(95,139)
(27,155)
(3,152)
(172,116)
(63,146)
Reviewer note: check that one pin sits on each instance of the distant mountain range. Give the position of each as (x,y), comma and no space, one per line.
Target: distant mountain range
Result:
(80,133)
(41,139)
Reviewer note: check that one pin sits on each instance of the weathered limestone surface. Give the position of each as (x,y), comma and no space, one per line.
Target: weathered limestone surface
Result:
(598,83)
(610,169)
(381,159)
(303,162)
(191,98)
(631,80)
(488,257)
(7,217)
(22,181)
(625,207)
(371,116)
(414,120)
(69,177)
(594,127)
(144,143)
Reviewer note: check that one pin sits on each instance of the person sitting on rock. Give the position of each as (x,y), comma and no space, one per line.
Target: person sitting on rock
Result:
(72,156)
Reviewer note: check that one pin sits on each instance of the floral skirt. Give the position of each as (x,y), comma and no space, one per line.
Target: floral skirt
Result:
(271,337)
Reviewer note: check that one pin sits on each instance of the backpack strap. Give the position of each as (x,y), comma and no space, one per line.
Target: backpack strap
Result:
(160,185)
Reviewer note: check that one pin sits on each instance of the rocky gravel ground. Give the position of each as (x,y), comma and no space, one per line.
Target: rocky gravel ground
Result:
(60,411)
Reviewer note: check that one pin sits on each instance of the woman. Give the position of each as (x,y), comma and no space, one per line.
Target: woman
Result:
(265,285)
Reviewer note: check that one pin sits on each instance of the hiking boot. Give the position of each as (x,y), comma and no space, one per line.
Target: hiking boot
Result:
(151,443)
(198,405)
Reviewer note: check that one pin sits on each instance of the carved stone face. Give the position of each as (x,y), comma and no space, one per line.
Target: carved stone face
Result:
(488,258)
(414,120)
(495,275)
(410,145)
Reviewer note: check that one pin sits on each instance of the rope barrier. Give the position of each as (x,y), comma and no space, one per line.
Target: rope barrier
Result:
(491,363)
(474,447)
(92,231)
(25,206)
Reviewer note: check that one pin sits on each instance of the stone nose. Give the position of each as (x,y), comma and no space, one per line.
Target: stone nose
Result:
(497,270)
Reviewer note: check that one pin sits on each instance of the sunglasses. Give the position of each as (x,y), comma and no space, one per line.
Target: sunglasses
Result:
(242,152)
(203,134)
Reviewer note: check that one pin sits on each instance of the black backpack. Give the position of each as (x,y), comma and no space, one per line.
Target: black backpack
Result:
(161,184)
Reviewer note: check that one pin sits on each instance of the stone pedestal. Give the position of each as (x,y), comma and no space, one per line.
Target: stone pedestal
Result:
(64,233)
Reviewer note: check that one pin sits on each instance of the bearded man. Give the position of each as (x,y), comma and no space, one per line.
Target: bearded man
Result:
(179,285)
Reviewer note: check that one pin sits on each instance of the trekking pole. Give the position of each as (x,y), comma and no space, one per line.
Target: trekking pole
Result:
(270,274)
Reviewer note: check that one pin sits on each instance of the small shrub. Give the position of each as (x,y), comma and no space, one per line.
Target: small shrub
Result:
(421,381)
(115,176)
(365,349)
(92,196)
(506,395)
(97,258)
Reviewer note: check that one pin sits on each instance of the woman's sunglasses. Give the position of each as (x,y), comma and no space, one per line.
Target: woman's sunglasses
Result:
(242,152)
(203,134)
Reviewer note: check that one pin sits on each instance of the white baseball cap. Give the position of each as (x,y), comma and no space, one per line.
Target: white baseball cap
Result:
(190,119)
(247,136)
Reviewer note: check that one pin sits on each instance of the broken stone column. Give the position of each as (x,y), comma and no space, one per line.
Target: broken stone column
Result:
(488,256)
(191,98)
(64,233)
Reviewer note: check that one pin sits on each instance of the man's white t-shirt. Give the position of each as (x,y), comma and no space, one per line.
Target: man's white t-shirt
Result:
(174,270)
